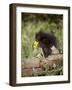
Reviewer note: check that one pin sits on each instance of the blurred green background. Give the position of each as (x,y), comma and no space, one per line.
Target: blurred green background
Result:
(32,23)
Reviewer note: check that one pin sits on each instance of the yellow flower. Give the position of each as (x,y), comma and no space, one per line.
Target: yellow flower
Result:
(35,44)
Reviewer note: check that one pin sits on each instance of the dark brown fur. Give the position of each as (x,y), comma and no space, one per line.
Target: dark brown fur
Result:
(46,41)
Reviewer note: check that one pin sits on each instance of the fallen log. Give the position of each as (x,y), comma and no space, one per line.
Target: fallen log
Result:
(41,66)
(37,62)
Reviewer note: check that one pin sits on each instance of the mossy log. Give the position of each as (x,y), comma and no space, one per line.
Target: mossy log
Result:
(52,60)
(53,65)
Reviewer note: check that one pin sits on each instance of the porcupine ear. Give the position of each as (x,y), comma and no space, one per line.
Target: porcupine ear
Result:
(41,30)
